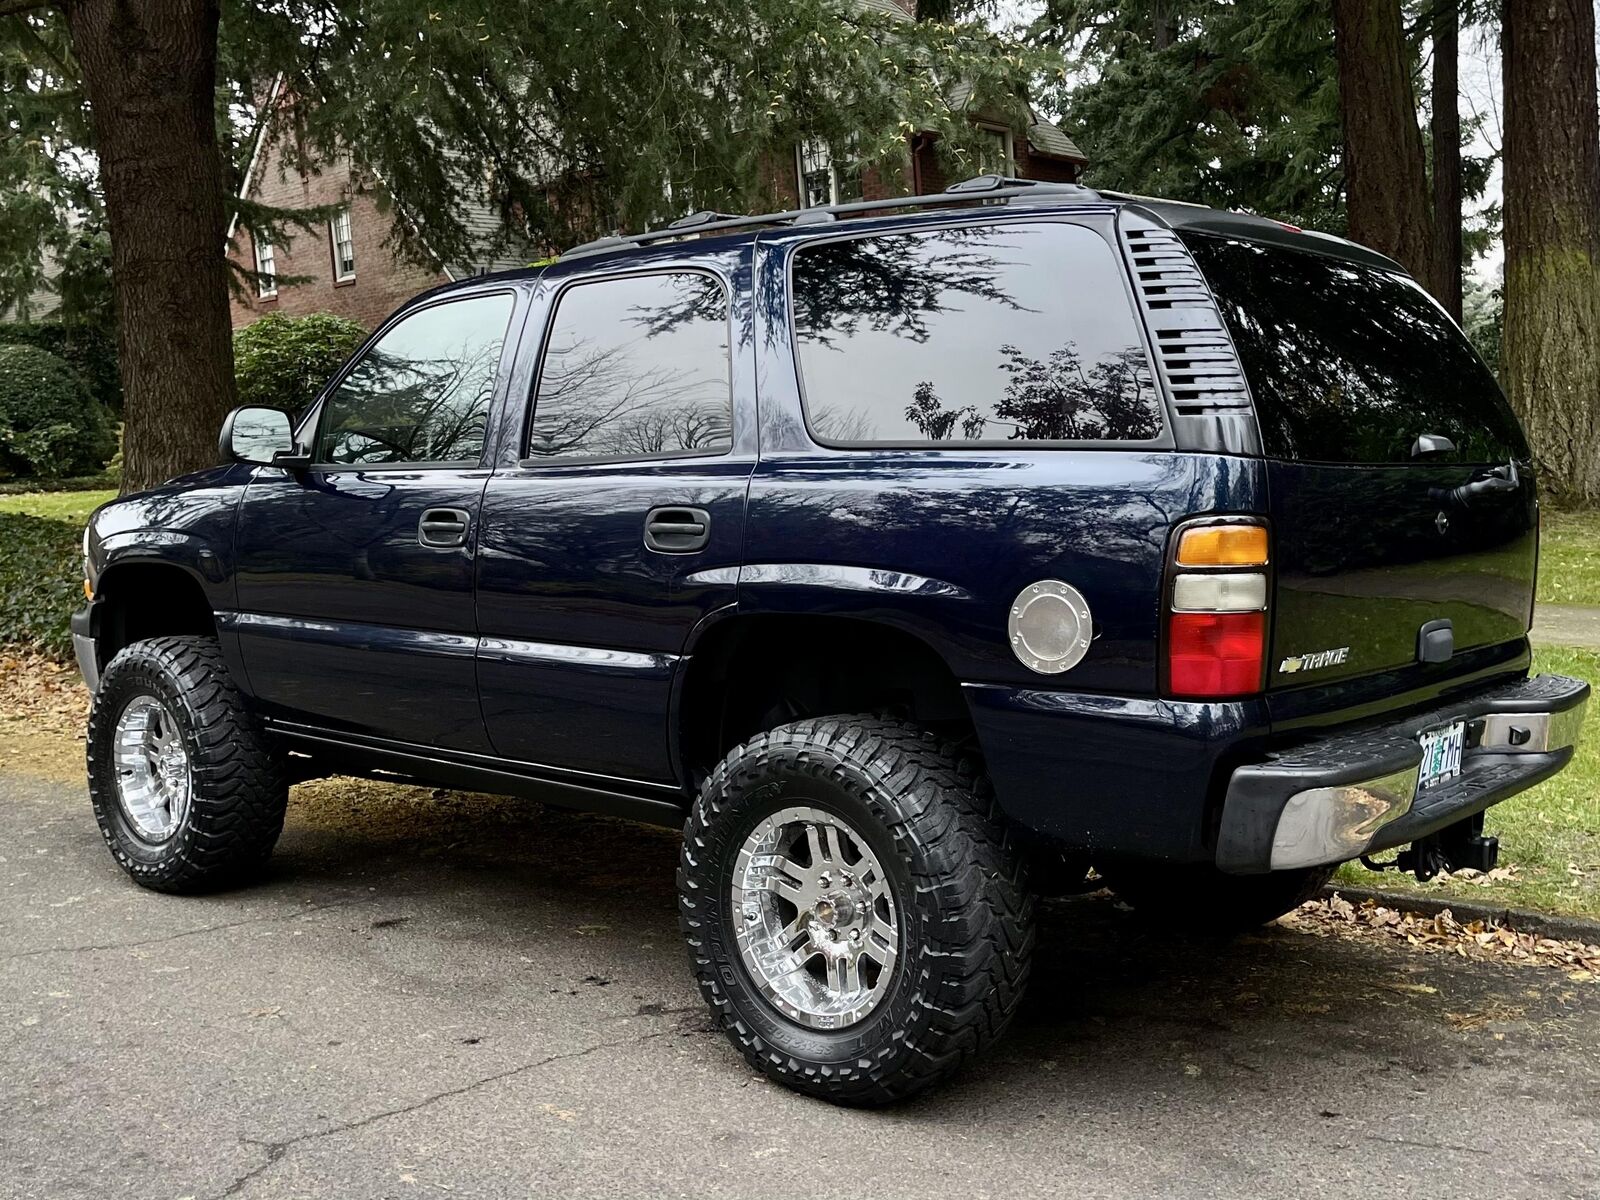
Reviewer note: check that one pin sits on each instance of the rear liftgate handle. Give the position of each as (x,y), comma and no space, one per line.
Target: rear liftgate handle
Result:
(677,530)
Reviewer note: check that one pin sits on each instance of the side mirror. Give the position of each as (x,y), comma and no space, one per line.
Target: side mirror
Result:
(263,436)
(1431,443)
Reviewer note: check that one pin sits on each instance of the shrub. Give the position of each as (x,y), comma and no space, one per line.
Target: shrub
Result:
(49,424)
(41,582)
(282,362)
(88,349)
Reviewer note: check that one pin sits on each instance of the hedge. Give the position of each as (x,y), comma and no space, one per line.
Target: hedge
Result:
(41,582)
(50,426)
(89,350)
(282,362)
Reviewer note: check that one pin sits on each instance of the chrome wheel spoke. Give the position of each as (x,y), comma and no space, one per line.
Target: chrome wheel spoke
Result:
(820,940)
(153,779)
(844,974)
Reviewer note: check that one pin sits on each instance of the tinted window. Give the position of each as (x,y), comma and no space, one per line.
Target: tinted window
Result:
(635,366)
(1349,363)
(422,393)
(1019,333)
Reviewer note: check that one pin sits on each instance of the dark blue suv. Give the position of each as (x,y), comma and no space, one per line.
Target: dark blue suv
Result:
(1019,540)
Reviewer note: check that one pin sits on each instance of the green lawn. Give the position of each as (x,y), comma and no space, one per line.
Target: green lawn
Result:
(1549,835)
(1569,558)
(57,506)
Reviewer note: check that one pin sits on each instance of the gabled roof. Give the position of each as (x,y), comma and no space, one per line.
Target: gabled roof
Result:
(1044,135)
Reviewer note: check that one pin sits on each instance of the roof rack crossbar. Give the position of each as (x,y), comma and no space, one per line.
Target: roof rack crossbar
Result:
(984,187)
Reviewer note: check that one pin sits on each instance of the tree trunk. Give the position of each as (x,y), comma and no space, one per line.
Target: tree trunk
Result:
(1163,24)
(149,71)
(1385,172)
(1446,131)
(1551,351)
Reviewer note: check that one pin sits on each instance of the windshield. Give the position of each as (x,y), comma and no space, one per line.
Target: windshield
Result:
(1349,364)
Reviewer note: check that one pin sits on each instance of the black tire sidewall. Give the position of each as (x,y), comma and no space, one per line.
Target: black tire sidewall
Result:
(787,783)
(132,675)
(238,787)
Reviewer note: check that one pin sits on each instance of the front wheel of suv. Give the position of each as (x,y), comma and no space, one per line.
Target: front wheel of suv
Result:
(1202,899)
(857,912)
(187,790)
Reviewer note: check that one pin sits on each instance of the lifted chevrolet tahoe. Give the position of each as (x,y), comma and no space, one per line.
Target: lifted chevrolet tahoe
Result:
(914,564)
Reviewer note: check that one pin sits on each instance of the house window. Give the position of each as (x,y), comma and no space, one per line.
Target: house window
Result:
(822,180)
(998,153)
(344,246)
(266,269)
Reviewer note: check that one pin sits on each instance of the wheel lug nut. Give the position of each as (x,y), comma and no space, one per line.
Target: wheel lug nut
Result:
(855,935)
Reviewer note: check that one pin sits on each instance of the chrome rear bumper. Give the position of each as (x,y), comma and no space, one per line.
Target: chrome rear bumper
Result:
(1356,791)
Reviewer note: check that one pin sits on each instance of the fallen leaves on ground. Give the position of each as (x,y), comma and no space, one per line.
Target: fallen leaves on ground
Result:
(1495,1013)
(1443,934)
(48,695)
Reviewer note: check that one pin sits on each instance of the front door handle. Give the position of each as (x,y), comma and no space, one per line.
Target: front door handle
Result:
(675,530)
(443,528)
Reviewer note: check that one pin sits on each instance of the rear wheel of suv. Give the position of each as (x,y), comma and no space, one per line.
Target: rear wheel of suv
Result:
(857,912)
(187,790)
(1200,898)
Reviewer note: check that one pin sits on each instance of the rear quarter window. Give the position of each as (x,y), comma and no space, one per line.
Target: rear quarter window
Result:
(1009,334)
(1348,363)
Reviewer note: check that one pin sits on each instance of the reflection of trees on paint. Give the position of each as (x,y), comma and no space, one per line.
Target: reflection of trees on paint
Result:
(1056,399)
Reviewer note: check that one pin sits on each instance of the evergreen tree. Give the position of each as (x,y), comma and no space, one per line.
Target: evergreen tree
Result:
(1232,105)
(570,118)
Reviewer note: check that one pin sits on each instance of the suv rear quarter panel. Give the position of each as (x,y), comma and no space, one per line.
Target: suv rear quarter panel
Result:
(938,543)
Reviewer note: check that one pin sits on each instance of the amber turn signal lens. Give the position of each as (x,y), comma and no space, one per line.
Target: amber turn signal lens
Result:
(88,590)
(1223,546)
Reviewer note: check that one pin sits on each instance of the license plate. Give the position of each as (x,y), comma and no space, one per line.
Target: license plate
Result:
(1441,753)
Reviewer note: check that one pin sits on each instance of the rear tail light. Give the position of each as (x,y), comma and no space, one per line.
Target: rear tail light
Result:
(1217,611)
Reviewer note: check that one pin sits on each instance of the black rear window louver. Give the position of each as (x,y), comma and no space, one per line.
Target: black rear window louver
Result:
(1194,354)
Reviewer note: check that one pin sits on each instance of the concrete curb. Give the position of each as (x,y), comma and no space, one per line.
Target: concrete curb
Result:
(1565,929)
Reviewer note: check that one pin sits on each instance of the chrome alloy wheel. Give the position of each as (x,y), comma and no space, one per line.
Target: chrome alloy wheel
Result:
(816,922)
(153,781)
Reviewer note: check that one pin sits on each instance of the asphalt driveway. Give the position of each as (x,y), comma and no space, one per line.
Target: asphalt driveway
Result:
(443,995)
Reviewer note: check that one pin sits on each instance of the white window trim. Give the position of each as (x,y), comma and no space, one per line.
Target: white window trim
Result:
(266,281)
(333,245)
(800,174)
(1008,135)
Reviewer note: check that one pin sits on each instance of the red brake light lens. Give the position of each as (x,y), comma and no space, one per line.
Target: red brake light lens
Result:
(1215,654)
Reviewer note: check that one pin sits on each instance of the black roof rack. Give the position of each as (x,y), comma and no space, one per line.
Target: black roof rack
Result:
(983,187)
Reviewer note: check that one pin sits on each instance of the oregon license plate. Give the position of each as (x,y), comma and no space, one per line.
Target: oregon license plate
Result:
(1441,753)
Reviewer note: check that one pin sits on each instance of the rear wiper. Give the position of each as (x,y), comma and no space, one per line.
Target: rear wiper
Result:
(1494,484)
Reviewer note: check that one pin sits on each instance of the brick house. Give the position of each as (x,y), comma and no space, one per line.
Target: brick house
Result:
(351,272)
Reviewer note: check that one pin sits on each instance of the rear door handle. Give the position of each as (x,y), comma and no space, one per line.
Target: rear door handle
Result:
(675,530)
(443,528)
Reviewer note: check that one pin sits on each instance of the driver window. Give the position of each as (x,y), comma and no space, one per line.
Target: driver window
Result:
(422,393)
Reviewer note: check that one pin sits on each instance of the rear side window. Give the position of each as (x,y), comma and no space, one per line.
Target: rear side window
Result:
(988,334)
(1348,364)
(635,367)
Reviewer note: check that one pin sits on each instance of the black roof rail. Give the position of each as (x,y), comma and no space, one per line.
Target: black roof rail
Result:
(982,187)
